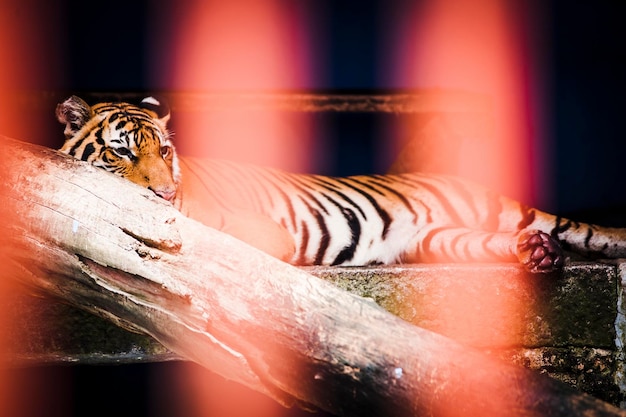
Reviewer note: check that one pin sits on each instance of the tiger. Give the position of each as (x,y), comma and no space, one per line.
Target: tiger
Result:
(308,219)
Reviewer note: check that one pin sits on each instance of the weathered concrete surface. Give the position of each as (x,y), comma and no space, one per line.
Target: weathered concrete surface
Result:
(558,362)
(591,370)
(563,324)
(494,305)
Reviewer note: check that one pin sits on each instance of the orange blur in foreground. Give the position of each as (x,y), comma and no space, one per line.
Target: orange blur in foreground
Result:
(10,396)
(475,47)
(30,54)
(240,47)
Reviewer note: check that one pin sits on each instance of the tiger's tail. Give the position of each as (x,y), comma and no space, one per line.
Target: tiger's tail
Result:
(586,239)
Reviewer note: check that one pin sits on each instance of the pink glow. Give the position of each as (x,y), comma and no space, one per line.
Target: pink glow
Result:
(11,76)
(477,47)
(236,47)
(31,61)
(207,394)
(233,50)
(239,45)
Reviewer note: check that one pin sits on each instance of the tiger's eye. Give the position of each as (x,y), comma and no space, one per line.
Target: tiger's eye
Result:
(124,152)
(166,151)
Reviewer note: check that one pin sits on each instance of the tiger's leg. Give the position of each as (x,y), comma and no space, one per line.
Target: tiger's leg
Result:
(535,250)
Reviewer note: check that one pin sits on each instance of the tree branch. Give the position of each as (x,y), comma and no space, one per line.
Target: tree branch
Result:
(115,249)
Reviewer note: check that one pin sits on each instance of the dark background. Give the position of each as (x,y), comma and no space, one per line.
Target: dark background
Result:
(121,45)
(103,48)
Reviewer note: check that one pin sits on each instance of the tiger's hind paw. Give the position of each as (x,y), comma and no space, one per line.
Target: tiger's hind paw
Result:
(538,252)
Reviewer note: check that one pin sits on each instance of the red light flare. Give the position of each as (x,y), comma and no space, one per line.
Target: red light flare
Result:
(30,59)
(8,402)
(232,51)
(203,393)
(242,47)
(479,48)
(9,74)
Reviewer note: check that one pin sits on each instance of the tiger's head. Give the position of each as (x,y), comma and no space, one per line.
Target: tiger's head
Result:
(129,140)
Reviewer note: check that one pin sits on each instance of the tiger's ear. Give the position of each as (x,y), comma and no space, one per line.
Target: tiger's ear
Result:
(74,113)
(158,106)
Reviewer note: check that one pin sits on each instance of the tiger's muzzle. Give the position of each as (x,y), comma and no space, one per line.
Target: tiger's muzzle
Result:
(166,194)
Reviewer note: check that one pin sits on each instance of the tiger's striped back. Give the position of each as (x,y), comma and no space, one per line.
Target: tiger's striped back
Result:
(371,219)
(312,219)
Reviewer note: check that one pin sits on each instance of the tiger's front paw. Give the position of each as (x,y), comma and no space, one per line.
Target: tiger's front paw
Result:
(538,252)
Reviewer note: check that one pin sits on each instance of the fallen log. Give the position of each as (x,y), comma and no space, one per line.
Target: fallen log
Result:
(112,248)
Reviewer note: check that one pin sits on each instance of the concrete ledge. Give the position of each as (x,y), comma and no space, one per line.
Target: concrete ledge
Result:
(588,369)
(566,325)
(488,306)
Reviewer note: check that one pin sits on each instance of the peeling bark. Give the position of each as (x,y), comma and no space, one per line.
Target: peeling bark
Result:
(115,249)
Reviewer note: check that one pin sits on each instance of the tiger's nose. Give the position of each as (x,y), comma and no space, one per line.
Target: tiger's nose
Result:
(166,194)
